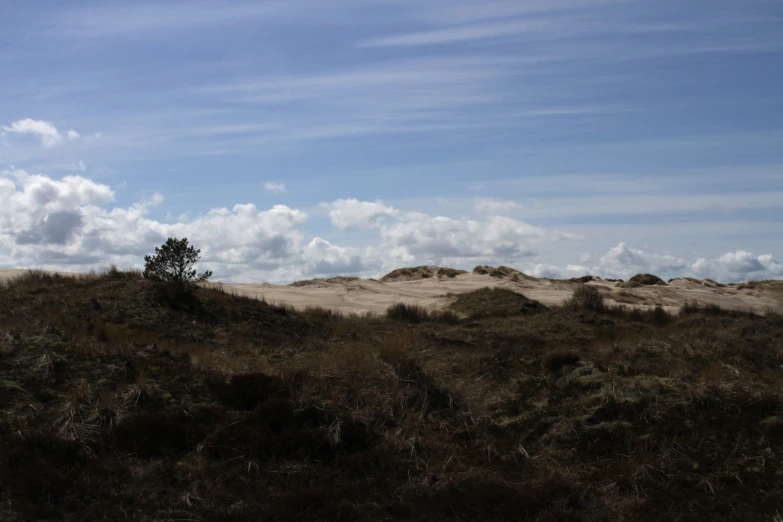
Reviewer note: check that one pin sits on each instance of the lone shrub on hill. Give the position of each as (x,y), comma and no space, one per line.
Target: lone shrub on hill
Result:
(173,262)
(587,298)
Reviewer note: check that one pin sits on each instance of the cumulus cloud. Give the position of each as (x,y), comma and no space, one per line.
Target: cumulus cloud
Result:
(624,262)
(275,187)
(324,258)
(495,206)
(72,223)
(352,213)
(422,238)
(43,130)
(556,272)
(738,266)
(69,223)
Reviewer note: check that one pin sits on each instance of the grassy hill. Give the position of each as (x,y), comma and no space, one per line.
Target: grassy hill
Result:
(120,399)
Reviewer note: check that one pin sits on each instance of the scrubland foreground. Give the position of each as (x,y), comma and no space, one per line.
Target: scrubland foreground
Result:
(125,400)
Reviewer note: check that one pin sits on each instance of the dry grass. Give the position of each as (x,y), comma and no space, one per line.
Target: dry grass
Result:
(119,401)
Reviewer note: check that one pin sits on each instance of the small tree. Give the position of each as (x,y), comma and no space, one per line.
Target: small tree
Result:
(173,261)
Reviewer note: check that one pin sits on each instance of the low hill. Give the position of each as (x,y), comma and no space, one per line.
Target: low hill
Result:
(420,272)
(325,282)
(494,302)
(502,272)
(123,399)
(644,280)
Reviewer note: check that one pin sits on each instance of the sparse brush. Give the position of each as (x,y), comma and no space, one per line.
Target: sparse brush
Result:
(587,298)
(713,309)
(690,307)
(395,348)
(659,316)
(241,410)
(325,314)
(446,317)
(407,313)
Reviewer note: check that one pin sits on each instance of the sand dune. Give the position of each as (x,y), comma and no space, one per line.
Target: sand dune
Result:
(368,295)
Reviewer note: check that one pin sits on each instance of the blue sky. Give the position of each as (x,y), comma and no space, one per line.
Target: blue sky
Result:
(314,137)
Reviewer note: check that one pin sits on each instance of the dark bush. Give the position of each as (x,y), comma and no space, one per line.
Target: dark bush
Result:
(659,316)
(690,307)
(246,391)
(556,360)
(713,309)
(587,298)
(407,313)
(446,316)
(584,279)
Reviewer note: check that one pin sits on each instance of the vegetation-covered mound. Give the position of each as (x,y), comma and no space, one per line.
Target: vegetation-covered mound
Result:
(701,282)
(420,272)
(494,302)
(501,272)
(644,280)
(121,399)
(340,280)
(584,279)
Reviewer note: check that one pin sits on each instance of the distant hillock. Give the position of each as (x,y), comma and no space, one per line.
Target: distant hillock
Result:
(644,280)
(501,272)
(496,302)
(420,272)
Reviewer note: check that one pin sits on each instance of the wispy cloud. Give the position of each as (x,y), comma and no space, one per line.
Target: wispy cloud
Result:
(495,206)
(461,34)
(275,187)
(157,19)
(465,11)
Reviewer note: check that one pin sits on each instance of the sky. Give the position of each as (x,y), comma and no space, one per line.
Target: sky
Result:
(310,138)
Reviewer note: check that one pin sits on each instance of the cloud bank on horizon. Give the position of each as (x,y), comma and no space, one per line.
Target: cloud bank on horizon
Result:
(72,223)
(309,138)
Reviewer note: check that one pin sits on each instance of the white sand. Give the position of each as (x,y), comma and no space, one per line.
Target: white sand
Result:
(364,295)
(373,296)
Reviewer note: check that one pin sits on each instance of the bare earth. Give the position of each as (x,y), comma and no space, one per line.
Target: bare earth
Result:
(367,295)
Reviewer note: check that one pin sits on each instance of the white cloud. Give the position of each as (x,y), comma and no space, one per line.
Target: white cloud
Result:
(421,238)
(352,213)
(495,206)
(556,272)
(275,187)
(45,131)
(322,257)
(624,262)
(69,224)
(35,209)
(738,266)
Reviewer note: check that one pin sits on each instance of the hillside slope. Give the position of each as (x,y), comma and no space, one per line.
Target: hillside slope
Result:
(125,400)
